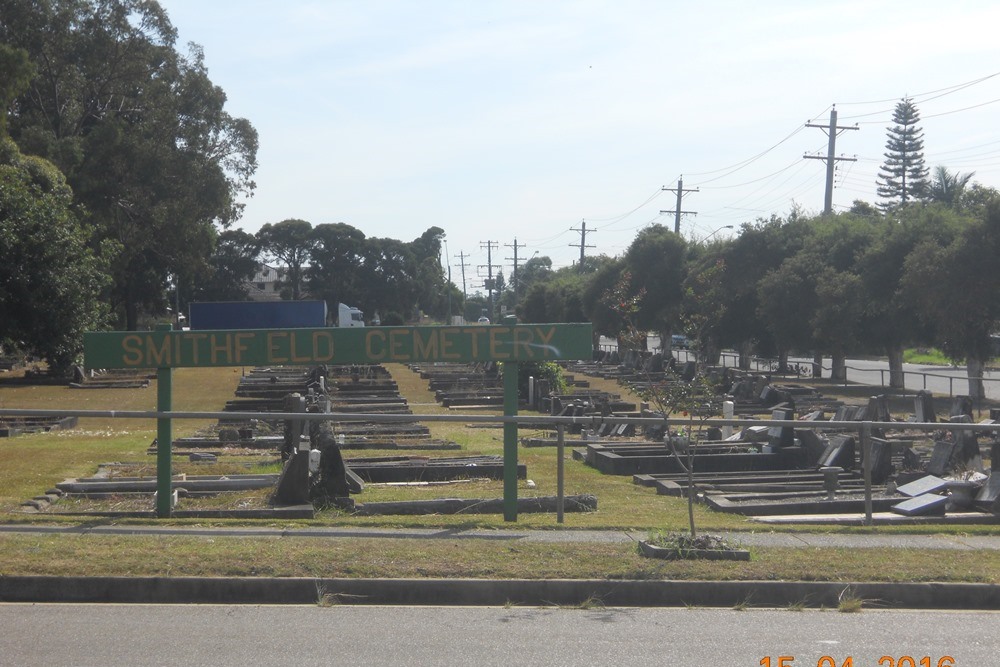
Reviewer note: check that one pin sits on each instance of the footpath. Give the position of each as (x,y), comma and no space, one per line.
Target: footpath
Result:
(500,592)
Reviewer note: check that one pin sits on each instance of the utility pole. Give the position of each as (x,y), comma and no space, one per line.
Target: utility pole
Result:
(461,256)
(679,190)
(489,245)
(583,241)
(831,131)
(517,287)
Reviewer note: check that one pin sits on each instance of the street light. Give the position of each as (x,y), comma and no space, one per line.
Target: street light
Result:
(716,232)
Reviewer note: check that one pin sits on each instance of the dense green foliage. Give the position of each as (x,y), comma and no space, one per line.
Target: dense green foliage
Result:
(154,161)
(903,177)
(49,279)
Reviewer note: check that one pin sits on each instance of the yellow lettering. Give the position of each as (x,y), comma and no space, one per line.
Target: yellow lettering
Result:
(496,342)
(272,347)
(195,348)
(397,340)
(447,343)
(373,354)
(424,350)
(241,346)
(158,357)
(216,348)
(474,338)
(132,345)
(546,348)
(523,337)
(327,354)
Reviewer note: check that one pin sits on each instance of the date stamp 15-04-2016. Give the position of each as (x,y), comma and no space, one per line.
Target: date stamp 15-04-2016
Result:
(848,661)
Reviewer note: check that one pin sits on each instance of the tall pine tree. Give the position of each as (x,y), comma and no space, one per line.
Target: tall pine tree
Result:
(903,177)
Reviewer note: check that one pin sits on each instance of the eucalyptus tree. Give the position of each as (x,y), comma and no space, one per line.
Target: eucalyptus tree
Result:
(140,132)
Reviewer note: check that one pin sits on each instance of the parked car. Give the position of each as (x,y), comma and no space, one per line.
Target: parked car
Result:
(680,341)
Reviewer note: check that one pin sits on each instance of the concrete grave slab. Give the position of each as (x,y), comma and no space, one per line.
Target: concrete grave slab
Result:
(928,484)
(927,504)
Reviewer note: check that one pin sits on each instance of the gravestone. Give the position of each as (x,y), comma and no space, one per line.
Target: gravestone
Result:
(961,405)
(814,445)
(929,504)
(840,452)
(923,407)
(881,451)
(941,458)
(967,450)
(781,436)
(926,484)
(878,409)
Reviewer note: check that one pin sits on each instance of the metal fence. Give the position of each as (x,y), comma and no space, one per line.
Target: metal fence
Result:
(863,429)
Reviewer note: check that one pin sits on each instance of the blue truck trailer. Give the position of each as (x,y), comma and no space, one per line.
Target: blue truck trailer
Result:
(214,315)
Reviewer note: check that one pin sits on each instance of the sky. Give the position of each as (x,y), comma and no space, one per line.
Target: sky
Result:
(520,123)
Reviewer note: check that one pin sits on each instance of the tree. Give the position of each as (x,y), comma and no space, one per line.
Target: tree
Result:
(948,187)
(290,242)
(903,176)
(956,289)
(140,132)
(50,281)
(230,269)
(336,266)
(656,261)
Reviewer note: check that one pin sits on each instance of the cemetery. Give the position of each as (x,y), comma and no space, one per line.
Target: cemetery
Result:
(808,468)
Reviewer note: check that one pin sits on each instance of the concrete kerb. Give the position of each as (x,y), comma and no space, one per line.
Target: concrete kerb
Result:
(481,592)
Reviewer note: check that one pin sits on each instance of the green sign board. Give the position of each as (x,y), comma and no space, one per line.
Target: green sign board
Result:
(273,347)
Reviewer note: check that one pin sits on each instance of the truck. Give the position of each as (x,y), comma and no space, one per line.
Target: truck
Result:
(349,316)
(257,314)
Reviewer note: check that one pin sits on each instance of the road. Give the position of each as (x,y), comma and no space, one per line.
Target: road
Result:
(224,636)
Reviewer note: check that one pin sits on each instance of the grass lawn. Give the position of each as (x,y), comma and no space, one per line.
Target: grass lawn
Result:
(32,464)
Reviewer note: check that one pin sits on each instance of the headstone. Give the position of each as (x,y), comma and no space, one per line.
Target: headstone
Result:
(881,451)
(293,483)
(967,451)
(929,504)
(926,484)
(989,495)
(878,409)
(814,445)
(781,436)
(923,407)
(941,458)
(840,452)
(961,405)
(728,412)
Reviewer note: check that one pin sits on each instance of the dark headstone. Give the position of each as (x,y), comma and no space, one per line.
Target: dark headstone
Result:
(961,405)
(878,409)
(881,451)
(923,407)
(293,483)
(814,445)
(967,450)
(840,452)
(929,504)
(941,458)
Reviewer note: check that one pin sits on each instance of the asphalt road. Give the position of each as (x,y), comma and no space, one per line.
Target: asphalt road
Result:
(224,636)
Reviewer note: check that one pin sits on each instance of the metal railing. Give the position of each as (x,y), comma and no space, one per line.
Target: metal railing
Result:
(863,429)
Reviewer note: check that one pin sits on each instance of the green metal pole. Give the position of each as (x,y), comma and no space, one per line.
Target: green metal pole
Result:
(510,441)
(164,438)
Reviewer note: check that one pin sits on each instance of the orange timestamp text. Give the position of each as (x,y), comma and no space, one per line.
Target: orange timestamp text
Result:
(848,661)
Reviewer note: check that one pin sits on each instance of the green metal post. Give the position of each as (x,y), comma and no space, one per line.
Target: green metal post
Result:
(510,441)
(164,438)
